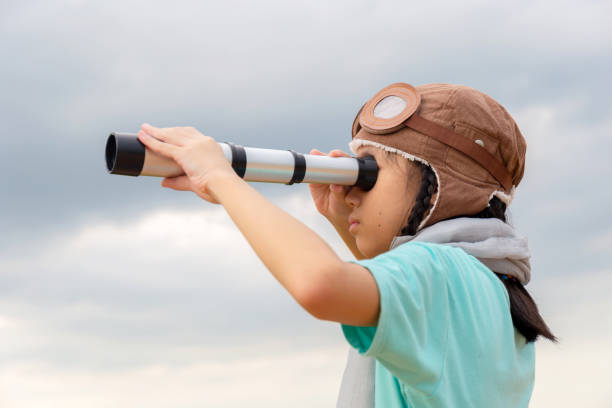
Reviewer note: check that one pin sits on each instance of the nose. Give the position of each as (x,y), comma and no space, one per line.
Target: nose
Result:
(353,197)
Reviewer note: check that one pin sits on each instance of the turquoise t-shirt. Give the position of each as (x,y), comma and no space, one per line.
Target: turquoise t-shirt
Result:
(444,336)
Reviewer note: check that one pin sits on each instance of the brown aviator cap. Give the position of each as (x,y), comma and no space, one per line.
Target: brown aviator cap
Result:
(468,139)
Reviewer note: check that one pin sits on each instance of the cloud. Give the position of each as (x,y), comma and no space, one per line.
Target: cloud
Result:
(158,346)
(601,243)
(560,204)
(275,75)
(264,379)
(163,284)
(575,371)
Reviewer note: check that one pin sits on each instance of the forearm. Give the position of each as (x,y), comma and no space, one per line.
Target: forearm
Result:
(290,250)
(299,259)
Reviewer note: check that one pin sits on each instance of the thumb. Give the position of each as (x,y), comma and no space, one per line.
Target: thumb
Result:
(177,183)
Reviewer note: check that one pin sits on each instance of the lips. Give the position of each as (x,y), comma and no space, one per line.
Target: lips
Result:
(353,223)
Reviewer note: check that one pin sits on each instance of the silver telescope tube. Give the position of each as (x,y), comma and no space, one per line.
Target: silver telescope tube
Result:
(126,155)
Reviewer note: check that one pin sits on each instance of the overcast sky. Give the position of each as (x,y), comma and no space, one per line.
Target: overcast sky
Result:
(116,292)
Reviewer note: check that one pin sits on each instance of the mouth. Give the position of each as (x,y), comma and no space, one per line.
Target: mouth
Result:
(353,224)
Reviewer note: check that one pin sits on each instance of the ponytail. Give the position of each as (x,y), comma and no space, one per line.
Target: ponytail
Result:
(525,315)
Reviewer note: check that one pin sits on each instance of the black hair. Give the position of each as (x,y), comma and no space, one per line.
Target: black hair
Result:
(525,315)
(423,200)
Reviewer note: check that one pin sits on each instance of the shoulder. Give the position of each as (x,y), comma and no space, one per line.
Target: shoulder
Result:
(411,269)
(465,278)
(425,256)
(435,266)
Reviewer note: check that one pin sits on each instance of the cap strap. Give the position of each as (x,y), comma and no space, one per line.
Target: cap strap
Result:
(464,145)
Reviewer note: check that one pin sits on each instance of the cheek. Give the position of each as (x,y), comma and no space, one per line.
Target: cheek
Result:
(395,216)
(383,228)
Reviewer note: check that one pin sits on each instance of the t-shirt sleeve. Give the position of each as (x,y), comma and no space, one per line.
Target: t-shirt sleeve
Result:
(411,336)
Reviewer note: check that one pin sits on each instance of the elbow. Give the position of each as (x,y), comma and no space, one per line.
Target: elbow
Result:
(315,294)
(314,301)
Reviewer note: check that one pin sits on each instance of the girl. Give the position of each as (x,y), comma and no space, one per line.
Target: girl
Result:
(435,301)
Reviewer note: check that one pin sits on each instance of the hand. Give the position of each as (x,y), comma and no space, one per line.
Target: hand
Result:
(329,198)
(200,157)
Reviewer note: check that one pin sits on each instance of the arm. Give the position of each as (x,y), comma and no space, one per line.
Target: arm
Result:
(299,259)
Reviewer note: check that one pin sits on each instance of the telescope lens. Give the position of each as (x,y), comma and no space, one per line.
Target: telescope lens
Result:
(111,152)
(124,154)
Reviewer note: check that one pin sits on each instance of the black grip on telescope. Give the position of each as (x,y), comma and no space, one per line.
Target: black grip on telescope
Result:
(239,159)
(299,168)
(125,154)
(368,173)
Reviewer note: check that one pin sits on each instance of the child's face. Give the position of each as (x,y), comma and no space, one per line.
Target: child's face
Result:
(378,215)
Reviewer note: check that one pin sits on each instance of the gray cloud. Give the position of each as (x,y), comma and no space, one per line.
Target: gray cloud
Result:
(160,286)
(281,76)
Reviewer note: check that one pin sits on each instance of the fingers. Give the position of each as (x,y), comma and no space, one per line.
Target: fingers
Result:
(338,153)
(165,140)
(173,135)
(157,146)
(163,134)
(333,153)
(315,152)
(338,191)
(316,187)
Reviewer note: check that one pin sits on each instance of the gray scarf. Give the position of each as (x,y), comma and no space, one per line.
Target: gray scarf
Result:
(493,242)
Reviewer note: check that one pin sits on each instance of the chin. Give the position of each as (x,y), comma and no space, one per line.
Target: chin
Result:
(369,249)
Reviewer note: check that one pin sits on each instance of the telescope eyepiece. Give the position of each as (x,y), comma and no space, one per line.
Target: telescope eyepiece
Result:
(368,173)
(125,154)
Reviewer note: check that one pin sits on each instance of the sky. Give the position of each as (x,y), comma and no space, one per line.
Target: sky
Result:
(116,292)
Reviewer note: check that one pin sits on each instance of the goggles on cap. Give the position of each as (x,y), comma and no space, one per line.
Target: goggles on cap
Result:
(396,106)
